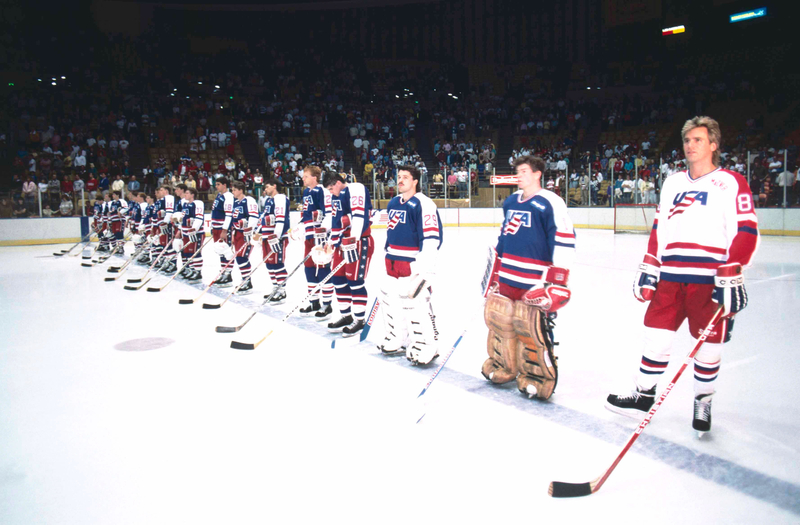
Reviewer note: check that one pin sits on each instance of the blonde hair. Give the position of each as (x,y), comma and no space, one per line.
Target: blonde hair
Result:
(714,134)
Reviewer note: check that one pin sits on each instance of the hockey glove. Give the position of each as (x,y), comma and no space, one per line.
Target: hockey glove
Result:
(552,293)
(320,236)
(646,281)
(350,249)
(192,235)
(274,242)
(248,235)
(729,289)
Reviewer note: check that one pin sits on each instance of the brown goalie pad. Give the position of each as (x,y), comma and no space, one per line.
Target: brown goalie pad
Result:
(537,362)
(502,365)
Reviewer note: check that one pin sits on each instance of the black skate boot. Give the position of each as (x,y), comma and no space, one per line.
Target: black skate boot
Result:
(324,313)
(702,414)
(310,310)
(246,288)
(225,280)
(354,329)
(635,405)
(341,324)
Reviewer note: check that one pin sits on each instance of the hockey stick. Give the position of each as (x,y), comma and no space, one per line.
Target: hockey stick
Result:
(210,306)
(436,373)
(224,268)
(560,489)
(267,299)
(252,346)
(364,333)
(102,259)
(185,265)
(119,270)
(140,279)
(65,252)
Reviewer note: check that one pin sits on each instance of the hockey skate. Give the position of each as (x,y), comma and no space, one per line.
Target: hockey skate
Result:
(421,353)
(169,268)
(193,275)
(702,414)
(225,280)
(246,288)
(278,298)
(635,405)
(324,313)
(354,329)
(341,324)
(310,310)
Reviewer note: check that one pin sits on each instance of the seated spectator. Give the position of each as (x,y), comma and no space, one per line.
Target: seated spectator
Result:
(20,211)
(47,212)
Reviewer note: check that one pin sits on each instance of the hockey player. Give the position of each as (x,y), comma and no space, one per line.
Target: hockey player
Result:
(221,214)
(317,222)
(705,231)
(352,238)
(165,207)
(528,284)
(117,213)
(245,221)
(148,222)
(105,224)
(274,234)
(97,223)
(170,264)
(136,211)
(193,233)
(413,238)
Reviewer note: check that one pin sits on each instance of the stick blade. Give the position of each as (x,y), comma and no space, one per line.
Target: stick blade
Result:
(131,281)
(109,279)
(242,346)
(560,489)
(209,306)
(185,301)
(113,269)
(59,254)
(153,289)
(87,265)
(132,288)
(226,329)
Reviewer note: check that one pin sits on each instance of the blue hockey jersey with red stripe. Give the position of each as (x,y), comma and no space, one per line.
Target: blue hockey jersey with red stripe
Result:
(353,201)
(410,223)
(536,233)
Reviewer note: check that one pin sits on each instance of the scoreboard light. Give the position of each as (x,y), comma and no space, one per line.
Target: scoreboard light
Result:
(673,30)
(747,15)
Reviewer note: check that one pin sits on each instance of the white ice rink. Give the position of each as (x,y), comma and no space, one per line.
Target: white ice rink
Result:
(120,407)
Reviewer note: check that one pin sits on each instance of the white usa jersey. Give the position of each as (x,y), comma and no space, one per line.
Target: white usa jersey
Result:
(702,224)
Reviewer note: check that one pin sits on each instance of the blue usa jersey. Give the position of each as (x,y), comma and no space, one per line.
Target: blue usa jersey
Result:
(353,202)
(193,216)
(148,217)
(411,223)
(136,213)
(536,233)
(316,199)
(221,211)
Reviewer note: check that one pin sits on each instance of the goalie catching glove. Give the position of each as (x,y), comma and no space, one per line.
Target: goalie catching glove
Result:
(646,281)
(552,293)
(729,289)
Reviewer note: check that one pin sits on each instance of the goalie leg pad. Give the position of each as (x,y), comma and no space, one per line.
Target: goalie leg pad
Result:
(423,334)
(537,361)
(502,365)
(394,317)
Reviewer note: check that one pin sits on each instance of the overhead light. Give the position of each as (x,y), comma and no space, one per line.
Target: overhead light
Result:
(63,78)
(174,89)
(53,83)
(200,83)
(216,87)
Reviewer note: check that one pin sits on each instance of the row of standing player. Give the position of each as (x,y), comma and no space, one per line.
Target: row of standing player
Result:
(704,233)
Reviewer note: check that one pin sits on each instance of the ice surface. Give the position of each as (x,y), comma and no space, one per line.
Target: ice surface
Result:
(126,407)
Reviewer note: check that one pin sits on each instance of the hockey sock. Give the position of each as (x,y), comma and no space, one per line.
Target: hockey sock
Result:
(312,280)
(655,358)
(706,368)
(359,293)
(343,295)
(277,272)
(244,267)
